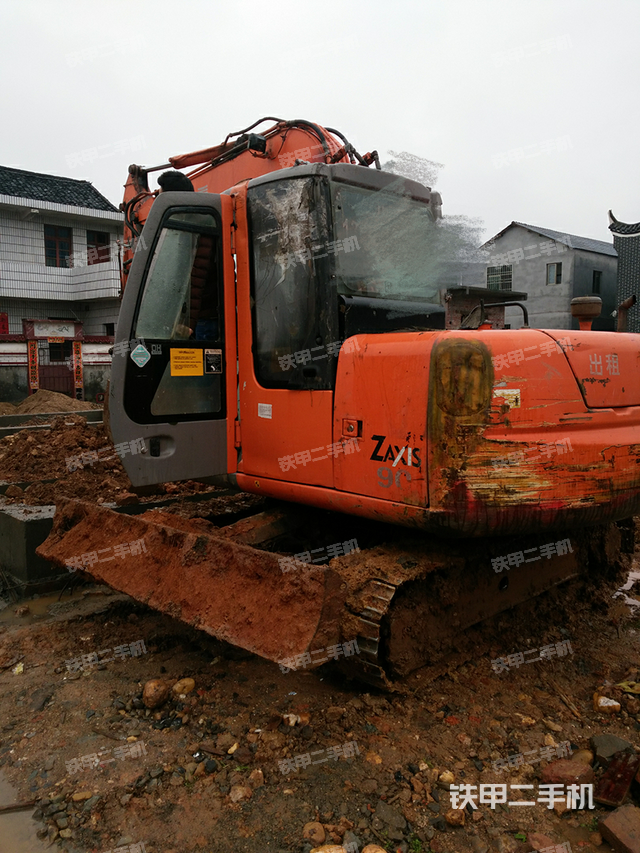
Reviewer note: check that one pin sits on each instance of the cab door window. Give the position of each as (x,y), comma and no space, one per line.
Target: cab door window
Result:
(179,323)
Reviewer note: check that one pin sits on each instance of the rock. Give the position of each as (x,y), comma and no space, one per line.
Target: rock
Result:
(49,763)
(155,693)
(369,786)
(184,686)
(314,832)
(91,803)
(478,845)
(554,727)
(389,815)
(583,755)
(350,838)
(596,839)
(507,844)
(210,765)
(256,778)
(243,755)
(334,713)
(290,719)
(125,799)
(126,499)
(65,833)
(40,697)
(332,848)
(81,795)
(14,491)
(622,829)
(62,822)
(447,778)
(538,841)
(567,772)
(604,705)
(606,746)
(240,792)
(372,848)
(455,817)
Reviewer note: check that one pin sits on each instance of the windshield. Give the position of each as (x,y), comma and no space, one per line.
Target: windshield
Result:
(387,245)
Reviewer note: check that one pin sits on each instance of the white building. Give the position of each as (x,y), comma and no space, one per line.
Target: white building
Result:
(59,284)
(551,267)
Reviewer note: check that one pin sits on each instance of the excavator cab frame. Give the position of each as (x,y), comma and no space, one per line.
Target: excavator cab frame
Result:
(172,404)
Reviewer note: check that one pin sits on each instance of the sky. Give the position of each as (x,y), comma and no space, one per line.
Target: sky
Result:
(531,107)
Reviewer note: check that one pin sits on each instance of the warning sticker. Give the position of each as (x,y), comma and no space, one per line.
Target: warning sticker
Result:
(511,395)
(186,362)
(213,361)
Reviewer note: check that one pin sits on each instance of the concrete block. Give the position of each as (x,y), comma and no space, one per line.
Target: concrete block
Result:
(22,529)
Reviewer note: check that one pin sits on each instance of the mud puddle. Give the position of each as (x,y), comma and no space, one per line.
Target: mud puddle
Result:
(17,829)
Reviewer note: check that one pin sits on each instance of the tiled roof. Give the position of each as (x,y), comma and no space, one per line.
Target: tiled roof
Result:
(22,184)
(623,229)
(571,240)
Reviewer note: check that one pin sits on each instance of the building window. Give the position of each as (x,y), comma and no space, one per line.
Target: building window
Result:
(98,247)
(500,278)
(596,280)
(554,273)
(57,246)
(110,329)
(60,351)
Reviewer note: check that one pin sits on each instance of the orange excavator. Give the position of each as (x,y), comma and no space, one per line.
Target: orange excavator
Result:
(282,332)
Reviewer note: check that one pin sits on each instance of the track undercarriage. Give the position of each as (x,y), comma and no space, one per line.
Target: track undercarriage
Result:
(407,599)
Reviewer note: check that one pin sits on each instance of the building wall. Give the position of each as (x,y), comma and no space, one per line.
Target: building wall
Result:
(548,305)
(14,385)
(22,261)
(94,314)
(628,247)
(585,264)
(30,289)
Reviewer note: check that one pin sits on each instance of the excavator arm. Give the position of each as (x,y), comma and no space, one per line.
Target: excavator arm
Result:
(242,156)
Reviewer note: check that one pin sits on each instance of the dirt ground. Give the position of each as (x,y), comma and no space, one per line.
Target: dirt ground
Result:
(203,771)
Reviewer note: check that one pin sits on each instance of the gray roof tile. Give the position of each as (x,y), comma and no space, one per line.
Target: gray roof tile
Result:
(571,240)
(22,184)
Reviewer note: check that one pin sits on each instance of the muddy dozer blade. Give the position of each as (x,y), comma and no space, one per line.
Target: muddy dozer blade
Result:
(192,571)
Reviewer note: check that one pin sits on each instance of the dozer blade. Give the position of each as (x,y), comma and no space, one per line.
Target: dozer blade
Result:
(192,571)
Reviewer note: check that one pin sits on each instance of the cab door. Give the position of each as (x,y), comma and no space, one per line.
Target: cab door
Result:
(170,393)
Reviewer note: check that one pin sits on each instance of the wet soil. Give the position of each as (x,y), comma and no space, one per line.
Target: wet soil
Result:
(195,785)
(172,799)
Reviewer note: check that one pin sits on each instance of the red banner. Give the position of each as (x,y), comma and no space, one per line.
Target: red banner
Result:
(34,380)
(77,369)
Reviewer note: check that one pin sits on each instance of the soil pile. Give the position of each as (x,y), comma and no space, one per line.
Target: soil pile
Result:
(7,409)
(79,458)
(43,402)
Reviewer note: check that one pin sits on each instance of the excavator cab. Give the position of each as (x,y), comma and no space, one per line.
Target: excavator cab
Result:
(169,391)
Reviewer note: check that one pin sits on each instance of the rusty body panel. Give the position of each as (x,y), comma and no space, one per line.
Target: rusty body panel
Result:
(451,443)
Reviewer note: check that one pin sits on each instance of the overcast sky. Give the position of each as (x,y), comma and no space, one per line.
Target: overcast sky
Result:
(532,107)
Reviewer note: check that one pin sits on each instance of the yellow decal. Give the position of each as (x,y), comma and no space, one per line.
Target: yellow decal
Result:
(186,362)
(511,395)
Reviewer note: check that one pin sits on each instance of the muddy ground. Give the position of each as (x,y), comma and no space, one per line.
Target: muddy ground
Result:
(205,774)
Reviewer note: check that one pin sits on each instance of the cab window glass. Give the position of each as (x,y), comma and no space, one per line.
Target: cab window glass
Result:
(294,316)
(180,299)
